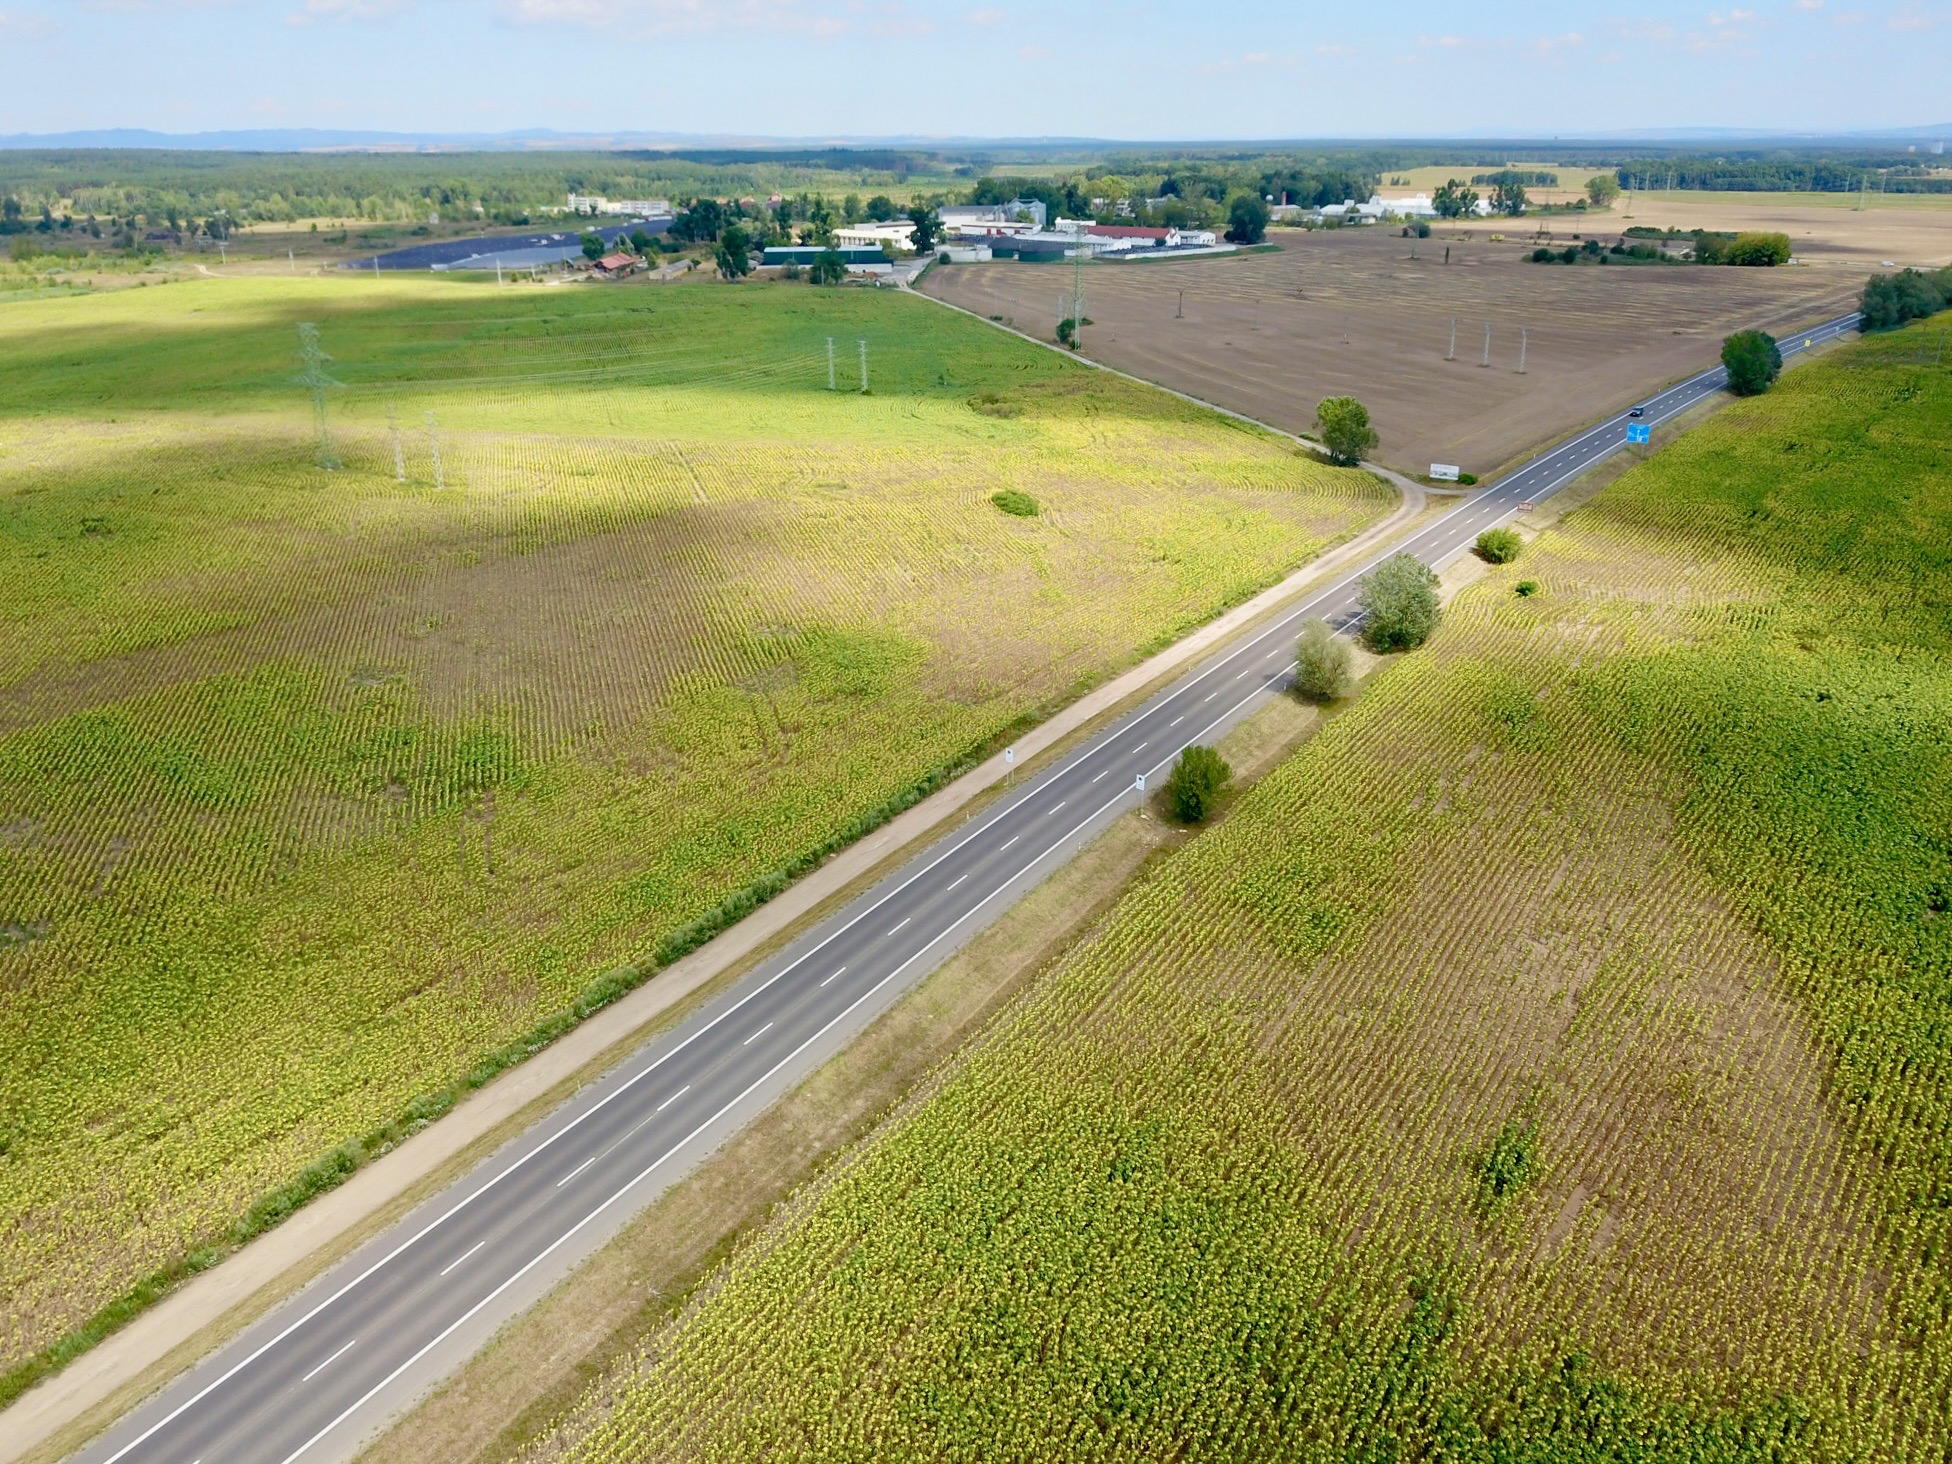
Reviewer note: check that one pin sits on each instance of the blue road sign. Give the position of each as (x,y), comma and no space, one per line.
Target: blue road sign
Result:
(1639,432)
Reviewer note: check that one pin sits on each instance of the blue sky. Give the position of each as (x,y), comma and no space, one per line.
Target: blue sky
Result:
(1107,68)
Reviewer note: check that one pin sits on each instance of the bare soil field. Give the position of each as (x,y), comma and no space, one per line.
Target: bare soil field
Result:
(1352,312)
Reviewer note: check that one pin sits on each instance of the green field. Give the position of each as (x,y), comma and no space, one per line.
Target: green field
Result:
(318,790)
(1552,1060)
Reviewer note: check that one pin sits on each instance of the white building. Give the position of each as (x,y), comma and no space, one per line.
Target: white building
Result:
(871,235)
(1015,217)
(633,208)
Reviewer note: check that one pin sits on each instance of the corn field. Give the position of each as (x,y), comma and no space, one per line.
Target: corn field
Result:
(1549,1061)
(315,787)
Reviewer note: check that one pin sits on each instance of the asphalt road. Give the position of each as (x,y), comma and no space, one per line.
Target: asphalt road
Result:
(323,1372)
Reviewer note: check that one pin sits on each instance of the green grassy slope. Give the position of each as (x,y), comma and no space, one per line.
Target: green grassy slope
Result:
(1548,1062)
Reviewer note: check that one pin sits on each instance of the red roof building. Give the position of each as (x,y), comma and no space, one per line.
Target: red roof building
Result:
(619,263)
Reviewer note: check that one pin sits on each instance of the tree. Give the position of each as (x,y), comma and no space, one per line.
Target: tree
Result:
(828,268)
(1453,199)
(881,208)
(1752,360)
(734,253)
(1891,300)
(850,209)
(1499,546)
(928,228)
(1198,779)
(641,242)
(1399,604)
(1508,196)
(593,247)
(699,222)
(1322,663)
(1602,189)
(1247,219)
(1346,432)
(1765,250)
(1067,332)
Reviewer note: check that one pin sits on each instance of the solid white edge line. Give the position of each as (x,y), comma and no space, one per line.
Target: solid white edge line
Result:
(463,1256)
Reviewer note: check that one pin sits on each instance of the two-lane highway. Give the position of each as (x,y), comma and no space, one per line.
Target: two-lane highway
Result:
(323,1372)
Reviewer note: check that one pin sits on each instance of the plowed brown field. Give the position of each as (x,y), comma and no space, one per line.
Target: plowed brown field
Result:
(1351,312)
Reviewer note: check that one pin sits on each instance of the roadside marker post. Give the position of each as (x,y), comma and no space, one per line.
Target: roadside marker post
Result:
(1139,783)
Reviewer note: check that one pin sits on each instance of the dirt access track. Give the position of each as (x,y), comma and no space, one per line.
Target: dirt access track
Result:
(1350,312)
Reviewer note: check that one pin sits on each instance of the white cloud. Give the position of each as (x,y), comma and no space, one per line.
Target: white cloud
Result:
(648,19)
(1912,17)
(315,10)
(1034,53)
(1809,4)
(22,25)
(986,17)
(1335,50)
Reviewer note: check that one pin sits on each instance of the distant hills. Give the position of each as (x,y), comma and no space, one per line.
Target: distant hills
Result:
(314,139)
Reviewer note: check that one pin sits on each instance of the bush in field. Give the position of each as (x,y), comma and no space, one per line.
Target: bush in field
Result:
(1752,360)
(1322,663)
(1022,505)
(1499,546)
(1399,604)
(1346,432)
(1759,249)
(1508,1163)
(1198,779)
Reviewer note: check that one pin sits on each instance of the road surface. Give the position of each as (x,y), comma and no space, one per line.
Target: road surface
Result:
(325,1371)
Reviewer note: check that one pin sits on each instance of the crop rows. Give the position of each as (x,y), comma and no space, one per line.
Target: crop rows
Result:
(315,788)
(1649,865)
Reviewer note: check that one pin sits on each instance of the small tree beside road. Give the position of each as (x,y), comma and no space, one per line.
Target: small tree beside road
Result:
(1322,663)
(1198,779)
(928,229)
(1753,362)
(1399,604)
(1499,546)
(1346,432)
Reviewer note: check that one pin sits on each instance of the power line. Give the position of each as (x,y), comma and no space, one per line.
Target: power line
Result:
(315,379)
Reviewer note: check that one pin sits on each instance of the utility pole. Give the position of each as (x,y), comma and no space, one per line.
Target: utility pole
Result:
(1487,345)
(434,449)
(376,266)
(1077,293)
(292,255)
(1524,336)
(1180,313)
(830,363)
(864,368)
(498,271)
(1451,354)
(399,453)
(316,380)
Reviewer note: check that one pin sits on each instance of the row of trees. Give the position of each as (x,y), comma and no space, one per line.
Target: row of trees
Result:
(1891,300)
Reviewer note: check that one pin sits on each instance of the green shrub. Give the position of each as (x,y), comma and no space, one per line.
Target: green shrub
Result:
(1499,546)
(1198,779)
(1524,589)
(1011,501)
(1399,604)
(1322,669)
(1467,479)
(1508,1163)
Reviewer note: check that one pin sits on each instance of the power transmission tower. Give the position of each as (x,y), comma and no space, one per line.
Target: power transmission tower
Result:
(830,363)
(292,255)
(399,453)
(1524,337)
(316,381)
(1487,345)
(434,449)
(1077,293)
(1451,353)
(864,368)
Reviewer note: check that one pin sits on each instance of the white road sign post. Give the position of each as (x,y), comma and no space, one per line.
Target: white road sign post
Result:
(1445,472)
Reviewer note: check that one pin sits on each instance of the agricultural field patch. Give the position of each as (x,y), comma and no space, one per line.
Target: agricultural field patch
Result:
(1548,1061)
(319,788)
(1365,312)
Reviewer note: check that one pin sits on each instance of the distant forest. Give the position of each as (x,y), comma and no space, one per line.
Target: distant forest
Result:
(1906,173)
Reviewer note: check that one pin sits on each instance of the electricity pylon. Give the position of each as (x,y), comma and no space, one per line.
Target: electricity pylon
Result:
(316,381)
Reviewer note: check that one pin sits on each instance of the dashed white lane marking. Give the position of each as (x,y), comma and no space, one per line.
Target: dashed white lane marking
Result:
(836,974)
(1013,839)
(1177,720)
(904,920)
(687,1087)
(957,880)
(327,1363)
(576,1171)
(1054,810)
(757,1035)
(463,1256)
(1107,770)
